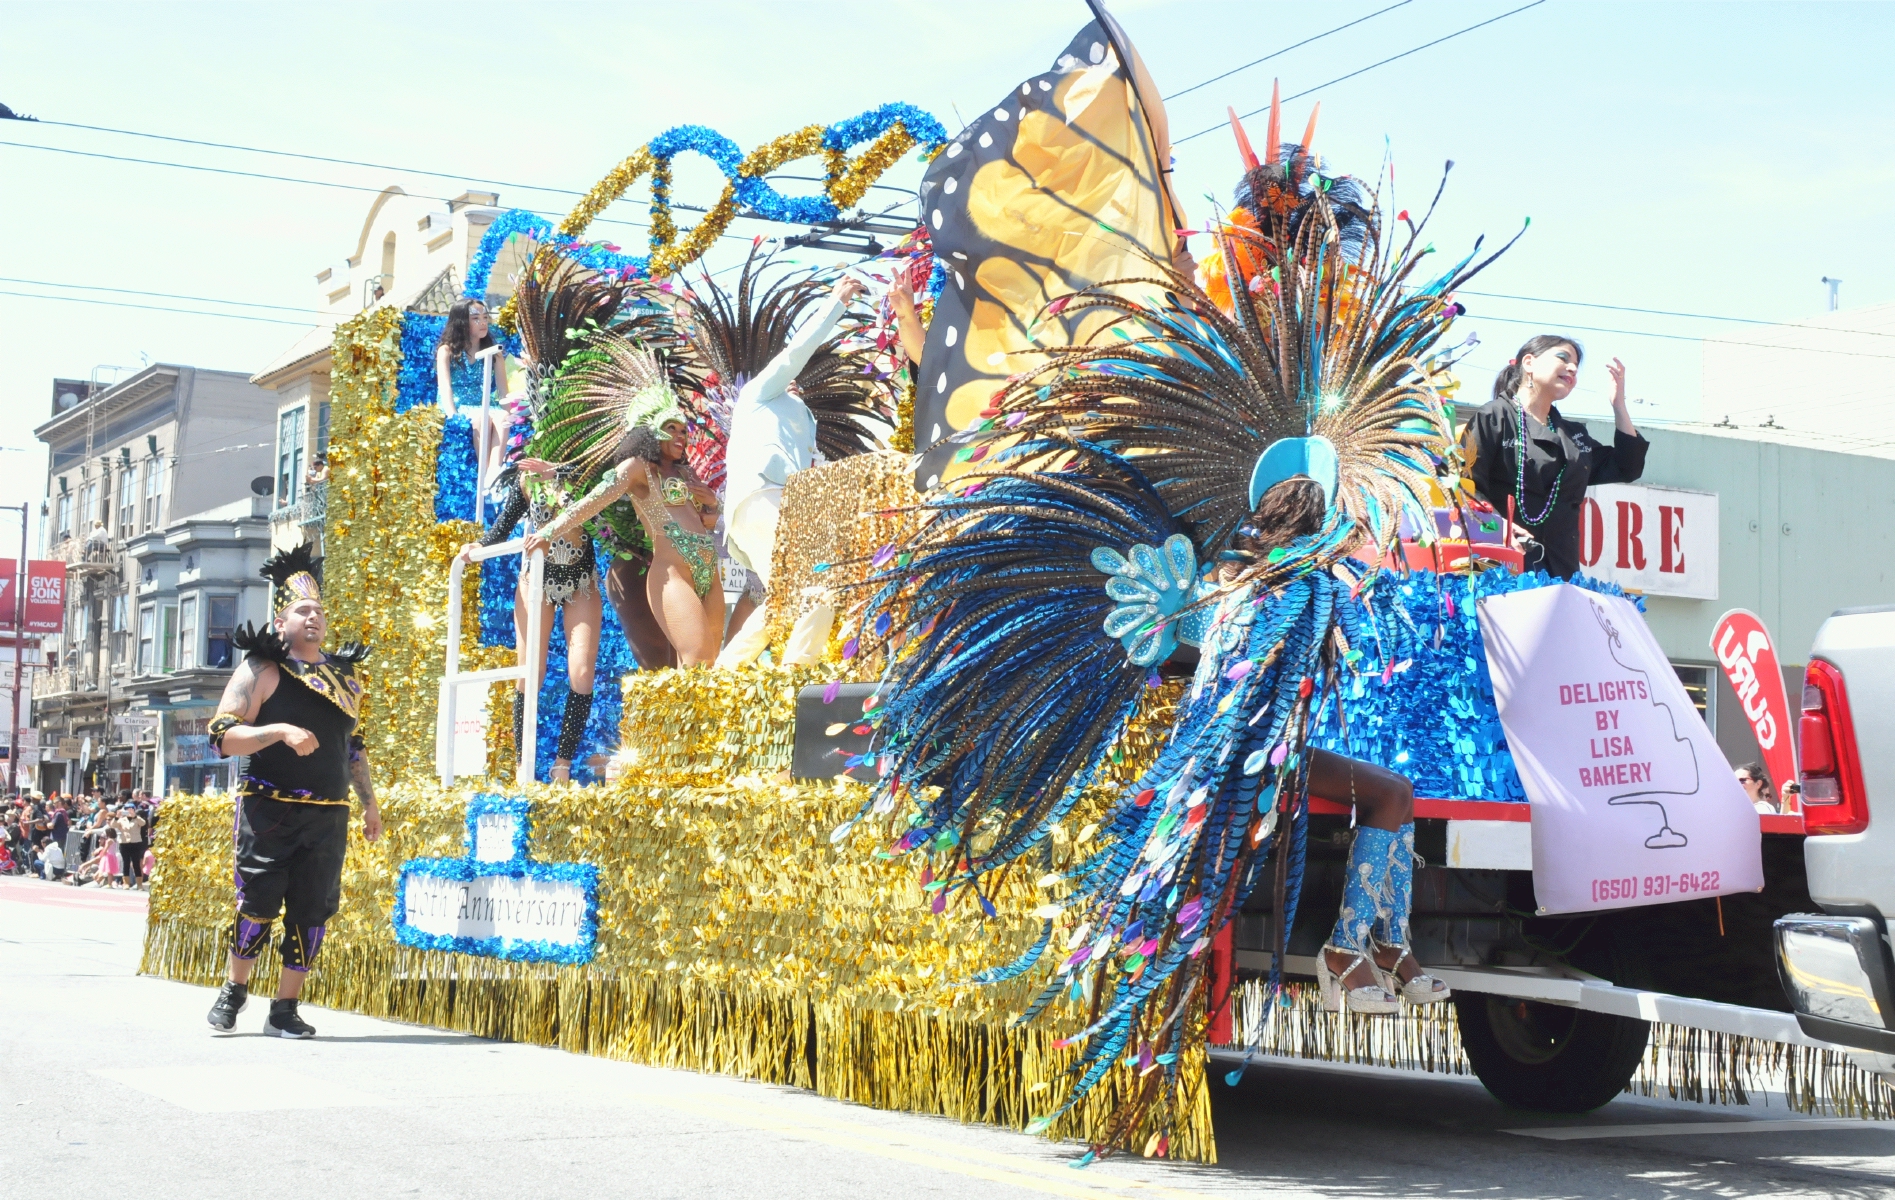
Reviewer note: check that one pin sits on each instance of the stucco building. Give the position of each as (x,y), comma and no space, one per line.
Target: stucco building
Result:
(152,501)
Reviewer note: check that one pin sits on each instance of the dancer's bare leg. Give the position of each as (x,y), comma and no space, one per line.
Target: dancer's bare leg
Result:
(625,588)
(583,613)
(738,615)
(693,624)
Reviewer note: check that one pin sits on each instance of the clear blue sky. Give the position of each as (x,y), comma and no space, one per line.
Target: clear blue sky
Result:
(1704,157)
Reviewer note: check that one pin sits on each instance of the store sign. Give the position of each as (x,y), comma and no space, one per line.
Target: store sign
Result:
(1659,541)
(1633,802)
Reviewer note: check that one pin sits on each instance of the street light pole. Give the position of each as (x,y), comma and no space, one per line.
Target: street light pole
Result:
(19,648)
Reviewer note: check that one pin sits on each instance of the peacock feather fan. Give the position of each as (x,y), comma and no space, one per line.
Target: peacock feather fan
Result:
(1009,677)
(736,333)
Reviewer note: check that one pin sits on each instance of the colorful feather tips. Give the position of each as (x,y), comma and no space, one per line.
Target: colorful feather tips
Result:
(1188,841)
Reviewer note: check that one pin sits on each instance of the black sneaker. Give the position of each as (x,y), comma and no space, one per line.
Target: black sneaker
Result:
(284,1022)
(231,1000)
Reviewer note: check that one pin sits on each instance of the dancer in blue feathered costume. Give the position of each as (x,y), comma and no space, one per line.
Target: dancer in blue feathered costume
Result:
(1198,476)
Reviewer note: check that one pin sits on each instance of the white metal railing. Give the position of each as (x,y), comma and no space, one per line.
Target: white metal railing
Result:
(487,359)
(529,662)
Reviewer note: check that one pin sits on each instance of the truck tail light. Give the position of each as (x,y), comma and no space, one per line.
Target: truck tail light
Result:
(1833,797)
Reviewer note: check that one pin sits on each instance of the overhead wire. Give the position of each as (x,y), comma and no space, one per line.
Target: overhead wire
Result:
(87,287)
(375,166)
(1680,337)
(184,312)
(1372,66)
(1279,53)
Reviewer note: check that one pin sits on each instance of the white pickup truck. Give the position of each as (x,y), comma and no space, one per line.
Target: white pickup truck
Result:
(1836,968)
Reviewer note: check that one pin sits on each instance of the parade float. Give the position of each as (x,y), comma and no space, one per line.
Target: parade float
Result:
(693,900)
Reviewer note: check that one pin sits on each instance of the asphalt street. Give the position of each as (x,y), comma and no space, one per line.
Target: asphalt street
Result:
(112,1081)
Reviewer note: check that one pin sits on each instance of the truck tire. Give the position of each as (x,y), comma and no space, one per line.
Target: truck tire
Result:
(1548,1057)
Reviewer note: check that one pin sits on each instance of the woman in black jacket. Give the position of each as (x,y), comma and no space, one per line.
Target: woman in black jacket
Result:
(1543,491)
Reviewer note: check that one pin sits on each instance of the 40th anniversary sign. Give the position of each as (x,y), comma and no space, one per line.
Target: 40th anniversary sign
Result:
(496,901)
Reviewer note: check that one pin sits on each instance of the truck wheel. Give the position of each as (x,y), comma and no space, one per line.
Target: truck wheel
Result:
(1548,1057)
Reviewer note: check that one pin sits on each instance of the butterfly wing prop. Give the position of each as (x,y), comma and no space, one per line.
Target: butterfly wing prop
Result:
(1058,187)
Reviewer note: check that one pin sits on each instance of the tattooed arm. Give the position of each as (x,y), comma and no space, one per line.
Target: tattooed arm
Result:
(232,731)
(365,788)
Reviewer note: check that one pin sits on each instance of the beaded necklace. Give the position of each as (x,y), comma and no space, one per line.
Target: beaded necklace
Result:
(1520,471)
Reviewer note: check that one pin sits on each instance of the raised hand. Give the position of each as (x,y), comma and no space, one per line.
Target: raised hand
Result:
(1616,369)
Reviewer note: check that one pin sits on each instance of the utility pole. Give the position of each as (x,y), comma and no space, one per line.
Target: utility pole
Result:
(1835,292)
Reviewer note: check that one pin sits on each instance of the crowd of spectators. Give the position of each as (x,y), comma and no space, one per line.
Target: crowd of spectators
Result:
(91,838)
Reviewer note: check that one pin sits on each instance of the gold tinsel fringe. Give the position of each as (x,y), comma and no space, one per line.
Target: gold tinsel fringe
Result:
(1693,1065)
(732,938)
(969,1070)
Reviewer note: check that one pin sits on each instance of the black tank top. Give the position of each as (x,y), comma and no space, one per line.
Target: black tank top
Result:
(324,773)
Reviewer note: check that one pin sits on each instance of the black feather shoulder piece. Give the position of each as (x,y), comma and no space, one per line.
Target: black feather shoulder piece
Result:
(264,643)
(351,653)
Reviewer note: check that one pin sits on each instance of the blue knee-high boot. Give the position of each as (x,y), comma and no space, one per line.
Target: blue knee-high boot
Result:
(1375,904)
(1391,924)
(1377,891)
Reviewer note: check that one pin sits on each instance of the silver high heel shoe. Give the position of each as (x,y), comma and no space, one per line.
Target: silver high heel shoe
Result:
(1371,999)
(1422,989)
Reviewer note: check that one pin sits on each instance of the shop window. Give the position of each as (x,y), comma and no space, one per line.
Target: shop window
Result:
(221,620)
(1697,685)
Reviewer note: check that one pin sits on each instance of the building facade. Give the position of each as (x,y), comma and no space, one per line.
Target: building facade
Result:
(407,248)
(151,484)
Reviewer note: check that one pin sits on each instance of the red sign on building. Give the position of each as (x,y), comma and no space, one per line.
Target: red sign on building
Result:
(45,594)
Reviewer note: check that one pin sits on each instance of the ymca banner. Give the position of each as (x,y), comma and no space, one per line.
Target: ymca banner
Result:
(1658,541)
(45,594)
(1633,802)
(1743,649)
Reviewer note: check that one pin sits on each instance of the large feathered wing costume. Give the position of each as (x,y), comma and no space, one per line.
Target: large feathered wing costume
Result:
(1060,187)
(1106,513)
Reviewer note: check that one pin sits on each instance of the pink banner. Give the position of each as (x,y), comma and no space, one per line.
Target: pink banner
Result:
(1750,663)
(1633,802)
(45,596)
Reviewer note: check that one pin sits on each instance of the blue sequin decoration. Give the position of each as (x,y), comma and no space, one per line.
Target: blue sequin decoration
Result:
(1434,719)
(456,470)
